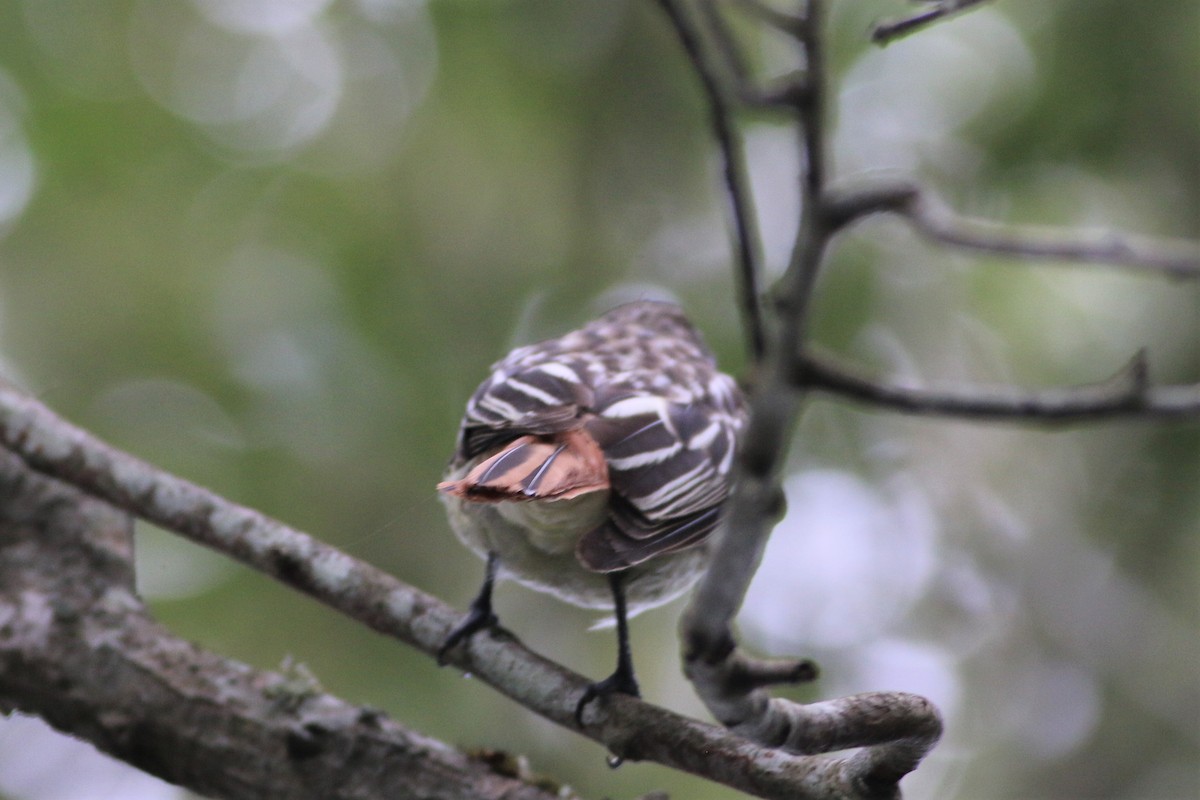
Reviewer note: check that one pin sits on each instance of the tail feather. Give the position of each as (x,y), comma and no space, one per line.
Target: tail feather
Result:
(558,466)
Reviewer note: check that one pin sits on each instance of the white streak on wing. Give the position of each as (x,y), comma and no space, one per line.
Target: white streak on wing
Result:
(635,406)
(642,459)
(534,392)
(666,493)
(557,370)
(705,437)
(703,493)
(727,461)
(493,403)
(722,387)
(692,505)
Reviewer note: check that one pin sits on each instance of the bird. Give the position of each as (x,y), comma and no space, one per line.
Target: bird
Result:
(595,467)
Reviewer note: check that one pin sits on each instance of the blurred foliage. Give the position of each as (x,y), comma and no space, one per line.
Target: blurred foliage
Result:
(272,247)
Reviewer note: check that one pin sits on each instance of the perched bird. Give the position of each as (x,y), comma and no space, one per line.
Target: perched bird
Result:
(594,467)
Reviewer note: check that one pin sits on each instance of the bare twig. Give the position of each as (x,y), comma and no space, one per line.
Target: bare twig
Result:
(886,32)
(930,218)
(740,199)
(627,726)
(1173,259)
(1125,395)
(712,14)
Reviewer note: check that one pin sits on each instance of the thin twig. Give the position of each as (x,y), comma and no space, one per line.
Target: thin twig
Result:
(741,200)
(1126,395)
(714,20)
(886,32)
(1174,259)
(930,218)
(632,729)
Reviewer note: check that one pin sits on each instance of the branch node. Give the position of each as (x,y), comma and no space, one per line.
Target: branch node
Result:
(843,205)
(747,674)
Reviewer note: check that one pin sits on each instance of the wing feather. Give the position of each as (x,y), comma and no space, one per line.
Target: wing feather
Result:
(613,546)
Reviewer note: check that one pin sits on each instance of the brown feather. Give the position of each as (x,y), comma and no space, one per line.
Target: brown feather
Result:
(558,466)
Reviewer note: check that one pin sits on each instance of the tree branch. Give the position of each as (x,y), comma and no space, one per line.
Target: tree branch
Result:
(895,729)
(898,735)
(741,204)
(1126,395)
(78,648)
(780,20)
(630,728)
(932,219)
(707,623)
(1173,259)
(887,32)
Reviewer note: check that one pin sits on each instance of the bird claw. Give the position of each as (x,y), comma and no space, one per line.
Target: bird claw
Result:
(620,681)
(478,617)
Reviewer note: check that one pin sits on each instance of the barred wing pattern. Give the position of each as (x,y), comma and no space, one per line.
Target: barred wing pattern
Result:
(641,383)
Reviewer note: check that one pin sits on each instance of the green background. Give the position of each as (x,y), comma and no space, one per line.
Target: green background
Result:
(274,250)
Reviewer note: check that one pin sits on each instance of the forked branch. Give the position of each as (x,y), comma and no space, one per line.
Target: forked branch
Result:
(898,732)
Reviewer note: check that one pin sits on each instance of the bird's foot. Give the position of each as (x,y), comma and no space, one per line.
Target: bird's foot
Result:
(479,616)
(623,681)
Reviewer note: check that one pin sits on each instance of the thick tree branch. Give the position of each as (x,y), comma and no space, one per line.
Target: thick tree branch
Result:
(707,623)
(78,648)
(628,727)
(895,729)
(886,32)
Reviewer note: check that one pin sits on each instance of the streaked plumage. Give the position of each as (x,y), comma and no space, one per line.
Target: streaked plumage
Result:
(630,406)
(594,467)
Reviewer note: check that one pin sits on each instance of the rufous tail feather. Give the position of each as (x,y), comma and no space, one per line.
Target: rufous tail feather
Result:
(554,467)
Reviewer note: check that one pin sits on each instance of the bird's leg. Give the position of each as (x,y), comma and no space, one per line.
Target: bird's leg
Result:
(479,615)
(622,680)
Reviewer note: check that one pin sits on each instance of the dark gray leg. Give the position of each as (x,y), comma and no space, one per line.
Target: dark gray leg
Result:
(479,615)
(623,679)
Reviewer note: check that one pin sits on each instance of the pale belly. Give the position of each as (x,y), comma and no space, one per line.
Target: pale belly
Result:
(536,545)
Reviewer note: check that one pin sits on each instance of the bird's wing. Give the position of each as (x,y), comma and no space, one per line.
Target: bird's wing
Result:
(669,466)
(626,538)
(518,399)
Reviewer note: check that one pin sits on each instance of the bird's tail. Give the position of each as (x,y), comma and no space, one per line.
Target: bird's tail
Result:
(557,466)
